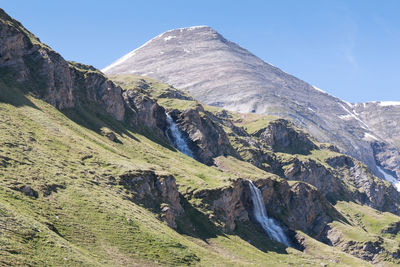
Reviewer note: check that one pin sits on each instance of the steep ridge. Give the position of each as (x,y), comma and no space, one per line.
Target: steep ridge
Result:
(91,180)
(218,72)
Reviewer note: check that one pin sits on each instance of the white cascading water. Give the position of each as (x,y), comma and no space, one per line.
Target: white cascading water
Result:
(175,137)
(273,230)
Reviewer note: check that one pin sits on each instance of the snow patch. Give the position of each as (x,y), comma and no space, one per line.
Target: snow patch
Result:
(318,89)
(196,27)
(346,117)
(369,136)
(390,178)
(389,103)
(352,115)
(169,38)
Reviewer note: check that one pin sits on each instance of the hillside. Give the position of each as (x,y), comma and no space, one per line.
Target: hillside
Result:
(91,175)
(219,72)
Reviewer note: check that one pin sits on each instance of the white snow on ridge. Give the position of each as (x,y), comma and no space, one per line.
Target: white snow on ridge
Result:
(169,38)
(318,89)
(132,53)
(119,61)
(369,136)
(129,55)
(390,178)
(389,103)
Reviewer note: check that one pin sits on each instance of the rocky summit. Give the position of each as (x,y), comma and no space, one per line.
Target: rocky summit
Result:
(127,170)
(219,72)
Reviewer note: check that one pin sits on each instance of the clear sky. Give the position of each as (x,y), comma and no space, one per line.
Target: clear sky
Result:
(348,48)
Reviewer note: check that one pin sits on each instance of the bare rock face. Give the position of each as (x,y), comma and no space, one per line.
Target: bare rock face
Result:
(156,191)
(94,88)
(283,138)
(297,207)
(24,59)
(141,110)
(228,202)
(218,72)
(317,175)
(207,139)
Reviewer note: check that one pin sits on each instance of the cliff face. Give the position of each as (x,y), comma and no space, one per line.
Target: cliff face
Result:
(27,61)
(297,207)
(38,69)
(157,192)
(207,139)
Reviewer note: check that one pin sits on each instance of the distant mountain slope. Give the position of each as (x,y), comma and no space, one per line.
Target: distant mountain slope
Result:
(384,120)
(221,73)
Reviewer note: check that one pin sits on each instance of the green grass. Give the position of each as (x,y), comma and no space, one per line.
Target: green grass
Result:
(148,86)
(85,220)
(366,224)
(253,122)
(179,104)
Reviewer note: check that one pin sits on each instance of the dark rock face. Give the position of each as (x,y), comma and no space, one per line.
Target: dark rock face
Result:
(141,110)
(158,192)
(285,139)
(207,139)
(393,228)
(218,72)
(298,207)
(317,175)
(93,88)
(27,190)
(24,59)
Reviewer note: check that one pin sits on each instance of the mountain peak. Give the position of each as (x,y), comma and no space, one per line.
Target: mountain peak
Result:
(179,41)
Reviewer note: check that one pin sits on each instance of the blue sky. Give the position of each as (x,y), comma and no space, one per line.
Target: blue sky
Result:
(347,48)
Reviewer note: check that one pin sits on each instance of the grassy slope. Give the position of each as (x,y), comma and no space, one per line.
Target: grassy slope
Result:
(86,221)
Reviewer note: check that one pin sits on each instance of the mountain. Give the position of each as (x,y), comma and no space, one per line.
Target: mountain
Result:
(218,72)
(92,174)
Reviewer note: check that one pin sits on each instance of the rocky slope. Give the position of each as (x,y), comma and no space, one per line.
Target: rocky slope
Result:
(383,119)
(218,72)
(88,177)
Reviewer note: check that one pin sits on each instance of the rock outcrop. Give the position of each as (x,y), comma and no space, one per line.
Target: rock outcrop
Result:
(155,191)
(281,137)
(24,59)
(143,111)
(207,139)
(298,206)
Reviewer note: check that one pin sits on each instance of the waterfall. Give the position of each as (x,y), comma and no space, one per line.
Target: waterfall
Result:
(273,230)
(175,137)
